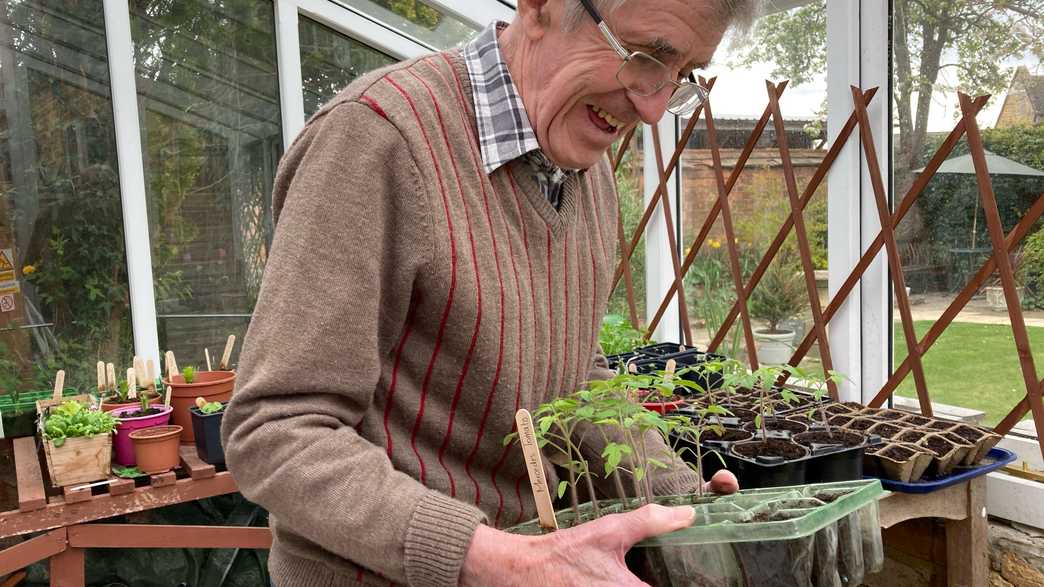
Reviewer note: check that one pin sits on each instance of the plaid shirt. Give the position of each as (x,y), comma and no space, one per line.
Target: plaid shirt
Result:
(505,133)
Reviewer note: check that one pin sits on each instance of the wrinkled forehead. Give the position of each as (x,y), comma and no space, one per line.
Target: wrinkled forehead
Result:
(683,31)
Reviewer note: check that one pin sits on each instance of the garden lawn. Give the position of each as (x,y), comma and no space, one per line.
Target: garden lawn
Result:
(973,366)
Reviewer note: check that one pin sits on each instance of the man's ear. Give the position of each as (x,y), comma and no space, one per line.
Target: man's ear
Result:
(535,16)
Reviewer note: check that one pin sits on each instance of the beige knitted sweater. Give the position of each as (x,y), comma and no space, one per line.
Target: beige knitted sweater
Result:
(411,304)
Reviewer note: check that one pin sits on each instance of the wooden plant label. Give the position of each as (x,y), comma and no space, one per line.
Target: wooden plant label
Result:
(150,366)
(535,467)
(227,355)
(139,372)
(206,355)
(172,365)
(59,385)
(166,397)
(101,378)
(132,384)
(110,377)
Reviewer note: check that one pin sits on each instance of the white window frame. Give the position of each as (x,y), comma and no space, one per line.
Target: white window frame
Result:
(659,269)
(120,48)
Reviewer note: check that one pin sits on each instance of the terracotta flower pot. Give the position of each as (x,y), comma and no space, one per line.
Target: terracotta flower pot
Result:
(213,386)
(156,448)
(107,406)
(126,425)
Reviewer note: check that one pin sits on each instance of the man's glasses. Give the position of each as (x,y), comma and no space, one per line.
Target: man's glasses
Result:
(644,75)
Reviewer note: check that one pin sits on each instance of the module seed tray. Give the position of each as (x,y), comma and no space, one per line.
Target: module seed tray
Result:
(751,515)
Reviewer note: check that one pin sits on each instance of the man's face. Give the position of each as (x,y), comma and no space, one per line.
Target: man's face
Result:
(575,103)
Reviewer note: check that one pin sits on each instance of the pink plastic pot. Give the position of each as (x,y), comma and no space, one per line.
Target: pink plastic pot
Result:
(122,442)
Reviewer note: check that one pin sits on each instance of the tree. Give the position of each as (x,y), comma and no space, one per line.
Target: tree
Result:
(974,37)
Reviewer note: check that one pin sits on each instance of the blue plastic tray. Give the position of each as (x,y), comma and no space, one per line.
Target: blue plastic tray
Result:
(995,459)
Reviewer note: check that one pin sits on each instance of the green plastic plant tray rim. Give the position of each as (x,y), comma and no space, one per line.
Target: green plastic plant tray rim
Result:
(723,519)
(28,399)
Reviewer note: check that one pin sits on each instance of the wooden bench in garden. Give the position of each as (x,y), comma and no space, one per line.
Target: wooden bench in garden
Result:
(63,515)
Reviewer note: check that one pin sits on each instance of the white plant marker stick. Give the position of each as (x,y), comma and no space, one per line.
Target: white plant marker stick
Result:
(59,385)
(535,467)
(172,365)
(101,377)
(132,384)
(150,366)
(110,377)
(139,372)
(206,355)
(166,397)
(227,355)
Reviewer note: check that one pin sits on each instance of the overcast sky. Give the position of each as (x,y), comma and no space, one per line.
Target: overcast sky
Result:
(741,93)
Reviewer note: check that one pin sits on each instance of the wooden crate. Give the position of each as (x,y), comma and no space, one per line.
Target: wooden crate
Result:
(79,460)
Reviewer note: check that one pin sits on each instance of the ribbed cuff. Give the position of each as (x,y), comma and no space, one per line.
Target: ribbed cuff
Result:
(437,539)
(681,482)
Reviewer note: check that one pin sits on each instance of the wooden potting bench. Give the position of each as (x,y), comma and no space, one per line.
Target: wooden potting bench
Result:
(963,507)
(61,518)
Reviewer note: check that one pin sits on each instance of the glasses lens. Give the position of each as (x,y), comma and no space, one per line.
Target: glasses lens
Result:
(642,74)
(686,99)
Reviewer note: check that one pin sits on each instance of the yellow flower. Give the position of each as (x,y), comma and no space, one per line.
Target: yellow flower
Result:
(715,244)
(28,270)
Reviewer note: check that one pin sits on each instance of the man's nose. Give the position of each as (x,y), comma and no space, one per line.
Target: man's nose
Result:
(651,108)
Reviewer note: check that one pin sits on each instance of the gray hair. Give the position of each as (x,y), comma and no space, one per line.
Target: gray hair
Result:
(738,13)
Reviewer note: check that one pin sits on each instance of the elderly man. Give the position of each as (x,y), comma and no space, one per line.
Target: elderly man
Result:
(442,258)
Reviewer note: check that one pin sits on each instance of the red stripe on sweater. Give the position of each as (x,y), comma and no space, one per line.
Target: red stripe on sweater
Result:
(594,269)
(452,288)
(478,297)
(395,372)
(532,305)
(476,160)
(480,173)
(564,383)
(374,105)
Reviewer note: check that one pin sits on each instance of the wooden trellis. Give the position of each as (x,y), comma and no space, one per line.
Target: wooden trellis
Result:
(913,363)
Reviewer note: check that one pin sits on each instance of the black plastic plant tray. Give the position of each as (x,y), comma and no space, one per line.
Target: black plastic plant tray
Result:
(664,348)
(824,466)
(995,459)
(686,359)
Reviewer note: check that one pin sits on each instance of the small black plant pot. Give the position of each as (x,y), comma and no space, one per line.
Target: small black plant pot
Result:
(207,431)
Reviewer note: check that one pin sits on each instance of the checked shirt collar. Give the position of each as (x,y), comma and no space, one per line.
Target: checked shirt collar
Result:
(505,133)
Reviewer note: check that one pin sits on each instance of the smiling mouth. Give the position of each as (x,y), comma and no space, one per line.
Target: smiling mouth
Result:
(603,120)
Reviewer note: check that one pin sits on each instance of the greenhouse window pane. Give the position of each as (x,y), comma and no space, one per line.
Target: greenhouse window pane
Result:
(417,19)
(63,275)
(330,61)
(211,139)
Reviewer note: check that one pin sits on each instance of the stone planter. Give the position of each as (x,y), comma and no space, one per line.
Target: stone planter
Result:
(774,348)
(995,297)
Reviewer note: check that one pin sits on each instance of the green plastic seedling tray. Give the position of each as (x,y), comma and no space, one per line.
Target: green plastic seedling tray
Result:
(753,515)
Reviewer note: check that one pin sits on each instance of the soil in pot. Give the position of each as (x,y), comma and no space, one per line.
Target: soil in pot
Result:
(140,414)
(913,436)
(743,414)
(728,435)
(156,448)
(969,434)
(885,429)
(938,445)
(888,415)
(822,438)
(838,409)
(896,452)
(853,406)
(772,447)
(777,425)
(840,420)
(917,421)
(941,425)
(860,424)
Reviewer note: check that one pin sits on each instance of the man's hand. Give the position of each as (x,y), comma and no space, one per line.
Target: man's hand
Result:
(723,482)
(589,554)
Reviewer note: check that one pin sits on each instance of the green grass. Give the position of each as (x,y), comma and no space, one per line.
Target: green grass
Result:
(973,366)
